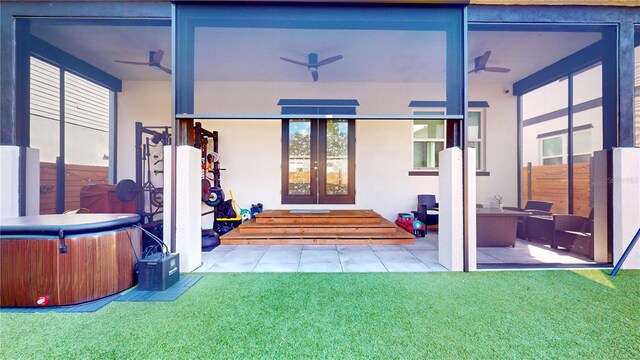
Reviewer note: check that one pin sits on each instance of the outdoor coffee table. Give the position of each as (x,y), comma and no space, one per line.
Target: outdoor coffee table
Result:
(497,228)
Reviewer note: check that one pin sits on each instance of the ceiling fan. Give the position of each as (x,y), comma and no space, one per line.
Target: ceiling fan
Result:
(481,65)
(155,59)
(313,64)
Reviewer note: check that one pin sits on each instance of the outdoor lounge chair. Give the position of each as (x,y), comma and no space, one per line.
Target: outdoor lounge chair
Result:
(427,212)
(535,208)
(574,233)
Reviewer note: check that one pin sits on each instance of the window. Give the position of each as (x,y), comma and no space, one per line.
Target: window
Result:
(553,150)
(429,138)
(74,139)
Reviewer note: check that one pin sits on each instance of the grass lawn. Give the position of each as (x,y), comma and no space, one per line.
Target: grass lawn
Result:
(518,314)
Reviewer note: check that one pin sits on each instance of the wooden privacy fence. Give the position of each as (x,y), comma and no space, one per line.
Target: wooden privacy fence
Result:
(76,176)
(551,183)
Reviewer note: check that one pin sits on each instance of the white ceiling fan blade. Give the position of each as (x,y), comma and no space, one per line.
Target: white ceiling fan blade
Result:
(132,62)
(295,62)
(329,60)
(167,70)
(157,57)
(497,69)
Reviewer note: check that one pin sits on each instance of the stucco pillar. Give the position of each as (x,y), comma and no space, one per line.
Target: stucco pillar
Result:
(450,220)
(188,208)
(626,204)
(9,181)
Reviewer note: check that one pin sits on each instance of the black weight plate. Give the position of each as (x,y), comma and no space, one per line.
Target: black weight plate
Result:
(216,197)
(127,190)
(156,197)
(206,186)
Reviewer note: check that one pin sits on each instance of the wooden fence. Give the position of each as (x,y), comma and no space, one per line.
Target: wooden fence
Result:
(551,183)
(76,176)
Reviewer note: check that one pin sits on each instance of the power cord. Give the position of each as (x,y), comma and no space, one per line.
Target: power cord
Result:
(135,266)
(156,239)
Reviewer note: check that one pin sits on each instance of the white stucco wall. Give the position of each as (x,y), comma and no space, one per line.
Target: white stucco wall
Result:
(251,149)
(150,103)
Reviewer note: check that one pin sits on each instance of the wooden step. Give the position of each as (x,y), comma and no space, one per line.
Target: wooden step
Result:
(353,217)
(382,227)
(235,238)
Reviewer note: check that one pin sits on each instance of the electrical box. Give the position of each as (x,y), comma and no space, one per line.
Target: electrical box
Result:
(158,272)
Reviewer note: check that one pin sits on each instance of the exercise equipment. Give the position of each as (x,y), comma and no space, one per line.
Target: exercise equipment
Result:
(127,190)
(149,196)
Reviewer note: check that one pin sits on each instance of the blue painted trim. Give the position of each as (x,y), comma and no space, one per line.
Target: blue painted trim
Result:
(48,52)
(564,131)
(318,102)
(316,110)
(587,105)
(574,62)
(473,104)
(104,22)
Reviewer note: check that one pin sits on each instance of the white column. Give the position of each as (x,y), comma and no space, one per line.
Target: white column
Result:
(188,199)
(9,180)
(471,190)
(600,210)
(167,190)
(32,188)
(450,220)
(626,204)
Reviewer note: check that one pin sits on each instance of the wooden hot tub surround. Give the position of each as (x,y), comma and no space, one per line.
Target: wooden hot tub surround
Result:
(93,258)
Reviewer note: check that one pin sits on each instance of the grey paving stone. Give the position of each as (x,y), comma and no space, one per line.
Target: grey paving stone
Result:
(319,256)
(281,267)
(407,267)
(232,267)
(353,247)
(426,256)
(281,257)
(396,256)
(320,267)
(363,267)
(387,247)
(319,247)
(285,248)
(357,256)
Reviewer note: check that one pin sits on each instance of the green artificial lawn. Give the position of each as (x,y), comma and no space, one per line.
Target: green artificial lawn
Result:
(515,314)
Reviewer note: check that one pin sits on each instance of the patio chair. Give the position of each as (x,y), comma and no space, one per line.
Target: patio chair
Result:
(534,208)
(427,209)
(574,233)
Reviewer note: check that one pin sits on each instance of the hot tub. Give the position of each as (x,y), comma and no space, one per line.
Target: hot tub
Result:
(67,259)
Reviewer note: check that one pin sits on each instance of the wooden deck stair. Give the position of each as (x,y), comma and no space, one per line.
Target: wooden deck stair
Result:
(357,227)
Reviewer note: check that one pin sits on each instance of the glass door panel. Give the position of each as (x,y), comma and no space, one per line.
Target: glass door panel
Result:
(299,157)
(337,163)
(44,117)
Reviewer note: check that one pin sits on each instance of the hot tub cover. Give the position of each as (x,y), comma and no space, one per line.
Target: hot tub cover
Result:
(69,223)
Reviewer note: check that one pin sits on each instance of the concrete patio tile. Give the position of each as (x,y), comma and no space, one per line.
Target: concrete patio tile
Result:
(437,267)
(396,256)
(409,266)
(242,256)
(387,247)
(482,257)
(225,247)
(252,247)
(232,267)
(353,247)
(421,245)
(281,257)
(363,267)
(426,256)
(319,256)
(281,267)
(358,256)
(320,267)
(285,248)
(319,247)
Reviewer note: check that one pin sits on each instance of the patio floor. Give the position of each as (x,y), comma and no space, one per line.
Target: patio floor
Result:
(419,257)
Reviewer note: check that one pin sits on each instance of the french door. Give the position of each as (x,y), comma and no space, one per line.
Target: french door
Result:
(318,161)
